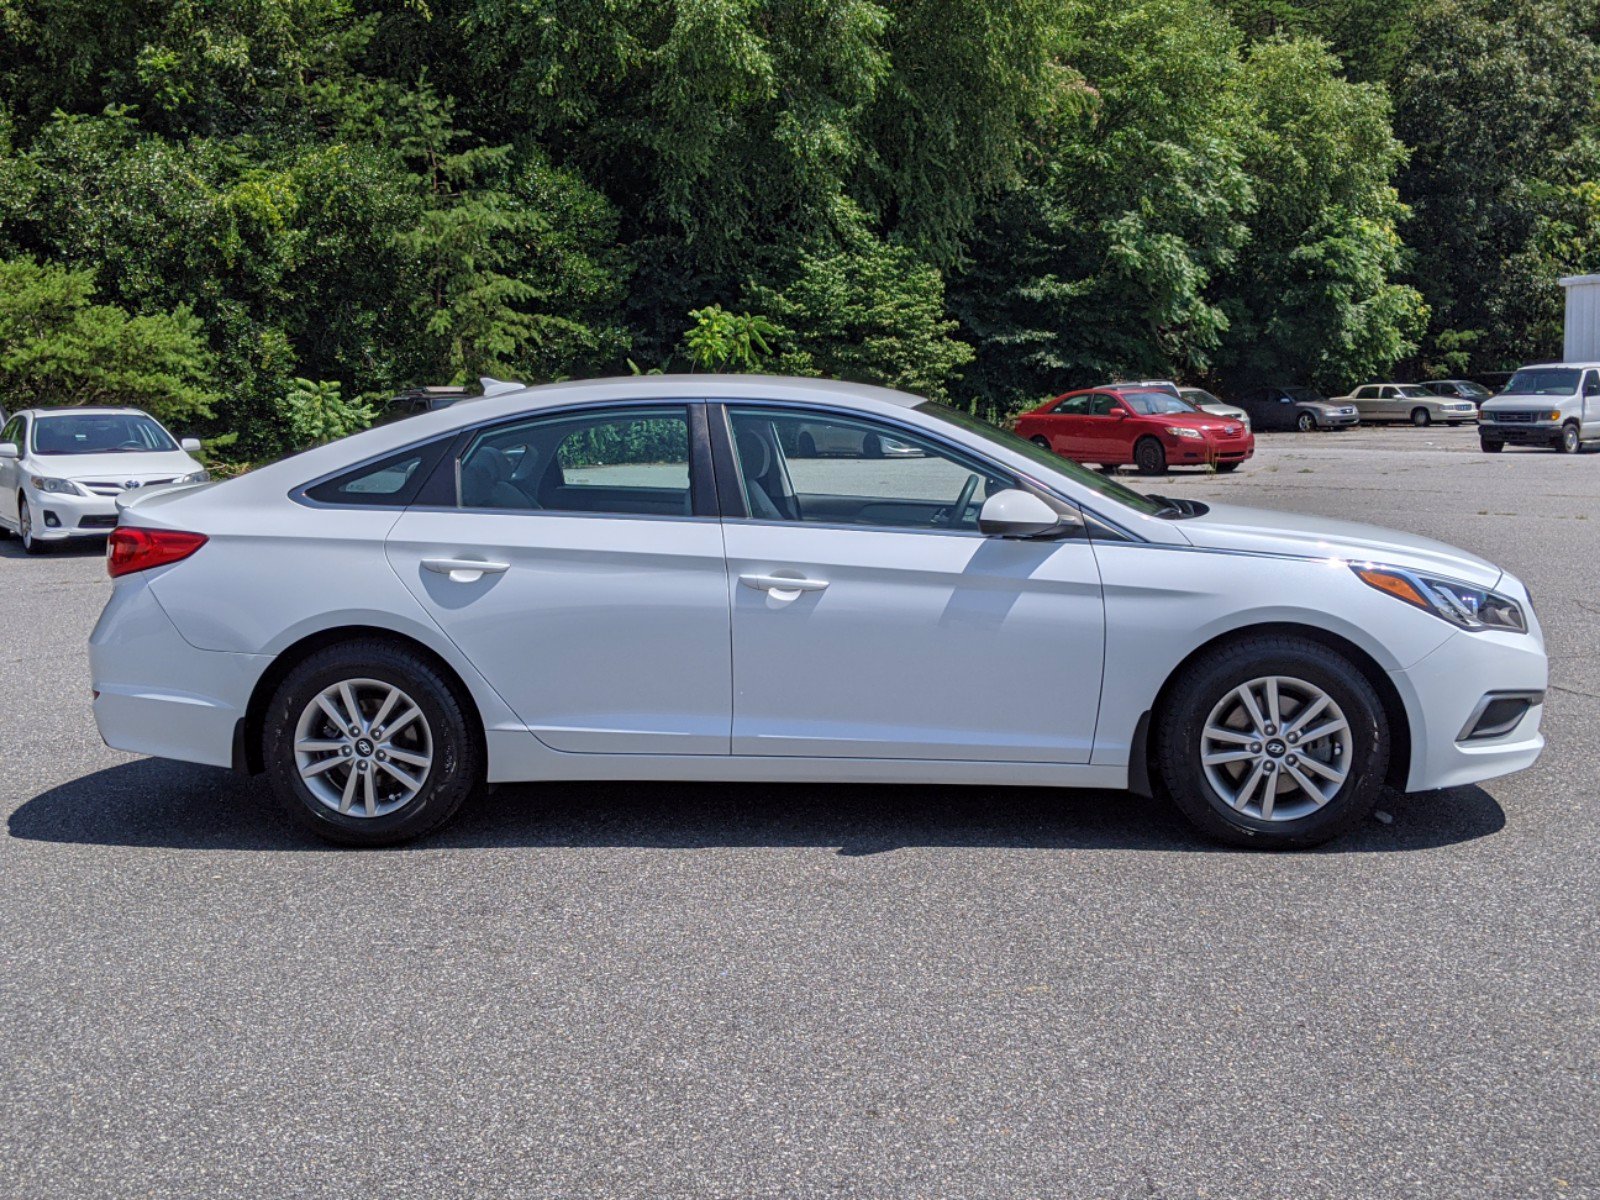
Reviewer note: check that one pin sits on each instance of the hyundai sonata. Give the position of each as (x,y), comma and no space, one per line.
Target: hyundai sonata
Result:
(632,579)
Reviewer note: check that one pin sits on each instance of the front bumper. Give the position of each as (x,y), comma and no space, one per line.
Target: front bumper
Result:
(1521,433)
(1338,420)
(157,694)
(1444,694)
(58,516)
(1200,452)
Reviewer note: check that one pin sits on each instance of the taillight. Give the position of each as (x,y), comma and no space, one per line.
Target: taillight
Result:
(134,549)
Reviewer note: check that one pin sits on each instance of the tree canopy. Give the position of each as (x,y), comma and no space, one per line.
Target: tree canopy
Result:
(268,216)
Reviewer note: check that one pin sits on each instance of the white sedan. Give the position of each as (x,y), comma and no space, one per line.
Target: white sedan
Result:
(62,469)
(631,579)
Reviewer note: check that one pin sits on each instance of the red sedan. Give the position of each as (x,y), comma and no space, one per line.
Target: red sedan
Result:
(1150,429)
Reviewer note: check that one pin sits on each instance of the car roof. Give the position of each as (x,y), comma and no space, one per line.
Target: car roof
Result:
(528,401)
(1576,366)
(78,408)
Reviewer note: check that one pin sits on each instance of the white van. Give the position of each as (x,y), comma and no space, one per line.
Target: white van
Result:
(1549,404)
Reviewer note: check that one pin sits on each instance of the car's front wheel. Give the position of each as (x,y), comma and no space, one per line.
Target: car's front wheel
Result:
(30,542)
(1421,417)
(1150,457)
(1305,422)
(1571,441)
(1491,446)
(1277,742)
(367,744)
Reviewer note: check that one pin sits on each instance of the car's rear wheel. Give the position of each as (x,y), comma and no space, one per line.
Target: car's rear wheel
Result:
(30,543)
(1491,446)
(1149,457)
(1305,422)
(1277,742)
(1042,442)
(1571,441)
(367,744)
(1421,417)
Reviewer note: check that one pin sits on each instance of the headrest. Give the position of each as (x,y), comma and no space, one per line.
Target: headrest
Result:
(754,454)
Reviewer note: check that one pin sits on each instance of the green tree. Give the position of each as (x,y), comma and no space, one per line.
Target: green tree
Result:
(719,340)
(865,311)
(57,346)
(315,411)
(1311,296)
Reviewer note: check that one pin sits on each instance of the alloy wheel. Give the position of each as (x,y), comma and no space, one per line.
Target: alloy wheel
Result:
(1276,748)
(1570,441)
(363,748)
(1306,423)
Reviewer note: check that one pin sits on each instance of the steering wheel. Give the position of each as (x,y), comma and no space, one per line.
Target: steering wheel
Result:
(953,514)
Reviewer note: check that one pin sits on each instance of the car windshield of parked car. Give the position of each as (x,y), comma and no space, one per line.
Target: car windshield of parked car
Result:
(1467,388)
(99,433)
(1155,404)
(1305,395)
(1196,396)
(1550,382)
(1413,392)
(1047,459)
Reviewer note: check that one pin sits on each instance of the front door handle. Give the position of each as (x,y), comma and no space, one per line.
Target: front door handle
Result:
(464,570)
(782,587)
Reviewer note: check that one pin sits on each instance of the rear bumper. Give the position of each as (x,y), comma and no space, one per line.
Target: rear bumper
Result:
(157,694)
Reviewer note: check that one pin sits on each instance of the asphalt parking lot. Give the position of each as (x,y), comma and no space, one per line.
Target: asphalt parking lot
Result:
(716,991)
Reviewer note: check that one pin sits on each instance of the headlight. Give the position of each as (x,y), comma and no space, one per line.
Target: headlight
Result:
(64,486)
(1180,431)
(1553,415)
(204,476)
(1464,606)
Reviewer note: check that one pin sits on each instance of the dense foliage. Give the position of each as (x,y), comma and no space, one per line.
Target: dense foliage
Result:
(263,217)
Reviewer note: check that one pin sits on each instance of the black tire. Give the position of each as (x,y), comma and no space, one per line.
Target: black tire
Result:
(30,544)
(1421,418)
(872,446)
(1227,468)
(457,770)
(1042,442)
(1491,447)
(807,446)
(1150,457)
(1305,422)
(1571,440)
(1177,745)
(1453,424)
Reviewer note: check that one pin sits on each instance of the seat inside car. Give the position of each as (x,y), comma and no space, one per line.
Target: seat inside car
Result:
(763,486)
(486,481)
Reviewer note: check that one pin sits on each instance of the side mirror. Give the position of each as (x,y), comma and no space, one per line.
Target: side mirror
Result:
(190,445)
(1120,414)
(10,450)
(1014,513)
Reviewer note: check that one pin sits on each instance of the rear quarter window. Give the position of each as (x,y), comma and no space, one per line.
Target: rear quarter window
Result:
(391,482)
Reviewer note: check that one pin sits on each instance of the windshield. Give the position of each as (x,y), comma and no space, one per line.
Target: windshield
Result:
(1543,382)
(1196,396)
(1468,388)
(1412,391)
(1305,395)
(1151,404)
(99,433)
(1050,461)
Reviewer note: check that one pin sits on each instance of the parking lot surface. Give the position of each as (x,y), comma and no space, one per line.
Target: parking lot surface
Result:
(723,991)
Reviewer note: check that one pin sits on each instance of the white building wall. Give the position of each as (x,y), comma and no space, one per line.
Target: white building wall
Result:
(1583,318)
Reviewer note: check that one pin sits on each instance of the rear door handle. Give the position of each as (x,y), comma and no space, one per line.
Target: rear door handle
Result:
(464,570)
(782,587)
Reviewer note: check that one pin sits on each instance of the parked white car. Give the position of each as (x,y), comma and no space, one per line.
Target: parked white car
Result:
(631,579)
(1549,404)
(1206,402)
(1408,402)
(62,469)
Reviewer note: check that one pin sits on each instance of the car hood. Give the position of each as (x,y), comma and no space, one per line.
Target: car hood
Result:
(1264,531)
(1226,411)
(1512,400)
(119,466)
(1206,421)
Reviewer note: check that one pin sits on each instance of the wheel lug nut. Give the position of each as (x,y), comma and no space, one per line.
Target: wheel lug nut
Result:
(1272,729)
(1255,747)
(354,732)
(1291,760)
(1270,768)
(1293,738)
(362,765)
(382,757)
(346,752)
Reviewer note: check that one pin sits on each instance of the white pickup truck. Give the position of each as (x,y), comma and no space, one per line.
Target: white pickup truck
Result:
(1549,404)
